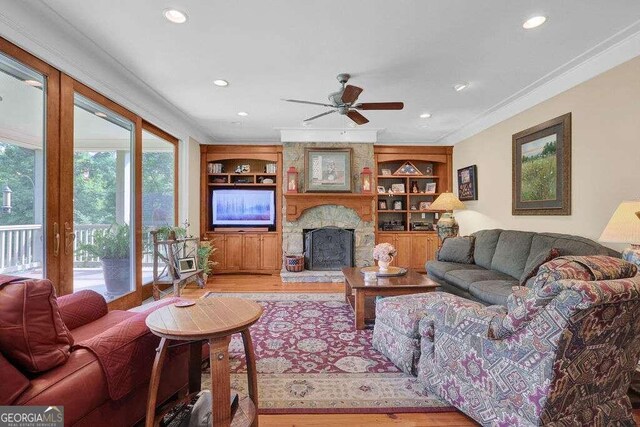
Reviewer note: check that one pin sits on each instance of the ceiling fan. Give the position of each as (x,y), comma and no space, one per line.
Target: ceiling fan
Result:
(344,102)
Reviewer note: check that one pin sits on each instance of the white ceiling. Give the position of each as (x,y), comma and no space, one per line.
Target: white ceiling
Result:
(402,50)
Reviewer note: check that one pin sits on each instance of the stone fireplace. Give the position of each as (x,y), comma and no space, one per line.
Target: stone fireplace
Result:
(328,248)
(332,215)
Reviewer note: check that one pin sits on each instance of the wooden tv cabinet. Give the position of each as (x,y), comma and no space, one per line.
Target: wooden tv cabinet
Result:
(242,250)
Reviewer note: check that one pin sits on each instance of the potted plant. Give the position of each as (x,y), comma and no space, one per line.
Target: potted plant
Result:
(113,247)
(205,250)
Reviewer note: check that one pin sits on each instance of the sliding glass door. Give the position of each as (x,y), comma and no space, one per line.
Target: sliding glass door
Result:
(102,200)
(28,98)
(83,180)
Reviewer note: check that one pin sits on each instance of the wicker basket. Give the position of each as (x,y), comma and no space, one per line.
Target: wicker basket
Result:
(294,263)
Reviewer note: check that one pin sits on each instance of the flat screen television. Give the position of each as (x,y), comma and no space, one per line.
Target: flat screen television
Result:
(243,208)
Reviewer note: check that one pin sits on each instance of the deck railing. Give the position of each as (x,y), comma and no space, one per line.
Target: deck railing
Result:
(21,247)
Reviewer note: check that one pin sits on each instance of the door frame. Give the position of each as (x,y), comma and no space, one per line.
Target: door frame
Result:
(69,87)
(52,243)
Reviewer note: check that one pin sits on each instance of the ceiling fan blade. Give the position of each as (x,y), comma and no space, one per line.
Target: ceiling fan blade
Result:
(351,94)
(357,117)
(319,115)
(380,106)
(309,102)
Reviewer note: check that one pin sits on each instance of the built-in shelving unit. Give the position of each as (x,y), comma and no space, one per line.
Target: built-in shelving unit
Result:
(246,250)
(411,231)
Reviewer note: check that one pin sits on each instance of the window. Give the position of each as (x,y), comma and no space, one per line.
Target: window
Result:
(102,200)
(159,189)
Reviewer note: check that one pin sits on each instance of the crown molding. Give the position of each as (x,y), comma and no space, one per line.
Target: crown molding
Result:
(38,29)
(620,48)
(329,135)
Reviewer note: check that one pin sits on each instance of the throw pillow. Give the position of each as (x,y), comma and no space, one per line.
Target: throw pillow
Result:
(532,267)
(34,338)
(457,249)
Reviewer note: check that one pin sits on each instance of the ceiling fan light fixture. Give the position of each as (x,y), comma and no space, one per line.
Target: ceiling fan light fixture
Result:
(174,15)
(534,22)
(221,83)
(459,87)
(243,114)
(425,115)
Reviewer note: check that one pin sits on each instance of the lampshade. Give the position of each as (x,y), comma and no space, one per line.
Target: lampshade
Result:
(447,202)
(624,225)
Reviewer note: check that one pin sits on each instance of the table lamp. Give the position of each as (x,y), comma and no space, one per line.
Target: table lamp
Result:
(447,225)
(624,227)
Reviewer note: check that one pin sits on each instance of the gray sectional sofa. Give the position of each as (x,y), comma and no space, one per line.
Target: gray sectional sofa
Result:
(500,258)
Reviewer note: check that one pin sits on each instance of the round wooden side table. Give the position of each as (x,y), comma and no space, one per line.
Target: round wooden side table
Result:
(213,320)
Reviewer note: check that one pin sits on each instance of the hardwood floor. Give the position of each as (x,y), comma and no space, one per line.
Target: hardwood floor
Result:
(252,283)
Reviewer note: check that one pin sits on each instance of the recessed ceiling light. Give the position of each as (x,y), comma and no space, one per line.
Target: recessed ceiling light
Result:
(175,16)
(533,22)
(425,115)
(33,83)
(461,86)
(221,83)
(100,114)
(243,114)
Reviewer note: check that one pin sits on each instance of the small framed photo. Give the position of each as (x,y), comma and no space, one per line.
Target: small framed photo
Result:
(397,188)
(381,189)
(186,265)
(386,171)
(430,188)
(397,205)
(382,205)
(425,206)
(429,170)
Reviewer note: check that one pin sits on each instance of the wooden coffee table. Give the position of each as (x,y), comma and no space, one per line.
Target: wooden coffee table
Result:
(213,320)
(356,290)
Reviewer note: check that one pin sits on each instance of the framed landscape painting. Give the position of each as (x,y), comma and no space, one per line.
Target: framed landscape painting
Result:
(468,183)
(542,169)
(327,170)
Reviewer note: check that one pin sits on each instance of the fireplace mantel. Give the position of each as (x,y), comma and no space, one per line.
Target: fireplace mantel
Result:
(297,203)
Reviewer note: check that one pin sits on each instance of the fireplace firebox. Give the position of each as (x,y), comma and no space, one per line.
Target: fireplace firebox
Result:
(328,248)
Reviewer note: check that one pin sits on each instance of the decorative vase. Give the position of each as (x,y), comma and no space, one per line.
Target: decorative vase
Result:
(384,265)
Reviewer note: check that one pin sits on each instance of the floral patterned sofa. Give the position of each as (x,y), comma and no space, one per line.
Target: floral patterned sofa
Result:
(561,353)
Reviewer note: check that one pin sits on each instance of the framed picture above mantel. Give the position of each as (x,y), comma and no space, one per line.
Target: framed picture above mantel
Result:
(541,172)
(327,170)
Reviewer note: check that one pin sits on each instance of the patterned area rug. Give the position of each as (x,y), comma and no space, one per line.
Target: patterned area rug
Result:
(310,359)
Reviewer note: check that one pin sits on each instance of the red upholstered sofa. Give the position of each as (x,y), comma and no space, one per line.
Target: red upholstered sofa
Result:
(80,384)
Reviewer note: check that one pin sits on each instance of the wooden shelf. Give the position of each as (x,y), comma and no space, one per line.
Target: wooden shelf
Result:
(408,176)
(393,211)
(240,184)
(242,174)
(423,194)
(392,194)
